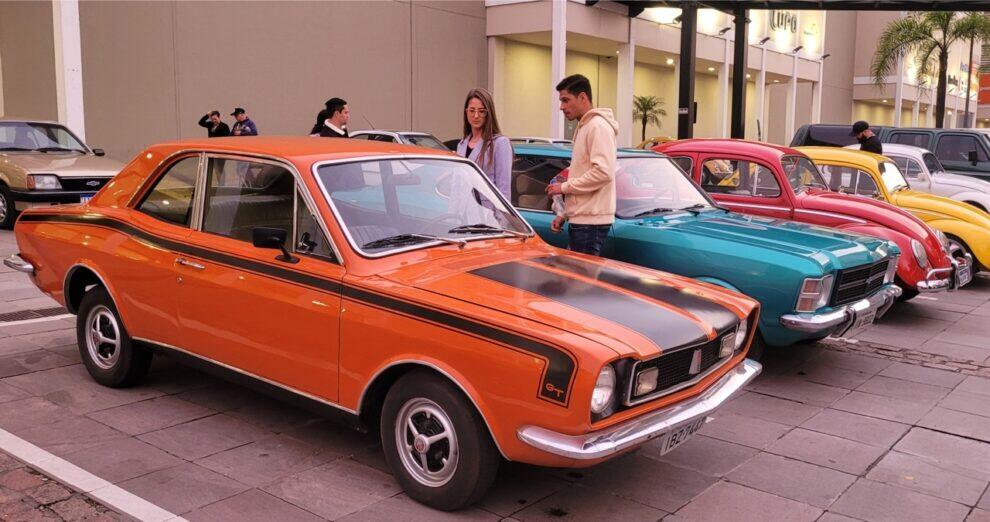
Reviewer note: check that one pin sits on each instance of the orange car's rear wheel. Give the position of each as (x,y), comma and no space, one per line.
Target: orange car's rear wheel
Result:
(436,442)
(107,350)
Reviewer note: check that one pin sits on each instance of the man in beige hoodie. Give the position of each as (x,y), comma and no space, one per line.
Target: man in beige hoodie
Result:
(589,203)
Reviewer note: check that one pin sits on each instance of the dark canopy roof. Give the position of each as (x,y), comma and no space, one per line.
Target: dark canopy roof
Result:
(637,6)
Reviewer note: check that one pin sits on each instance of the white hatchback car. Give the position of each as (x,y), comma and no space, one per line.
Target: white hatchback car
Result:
(925,173)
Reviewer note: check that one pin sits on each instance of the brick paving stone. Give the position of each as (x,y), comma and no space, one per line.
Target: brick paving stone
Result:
(860,428)
(965,339)
(923,476)
(252,506)
(272,415)
(740,429)
(874,501)
(850,361)
(833,376)
(15,345)
(75,508)
(904,390)
(21,479)
(408,510)
(888,408)
(29,362)
(792,479)
(70,435)
(835,517)
(53,339)
(705,454)
(49,493)
(964,456)
(957,422)
(975,385)
(333,439)
(40,383)
(9,393)
(16,416)
(266,460)
(7,462)
(940,346)
(978,515)
(88,396)
(123,459)
(728,501)
(336,489)
(582,504)
(183,488)
(967,402)
(202,437)
(518,486)
(646,481)
(221,396)
(827,450)
(151,415)
(797,389)
(985,501)
(771,409)
(915,373)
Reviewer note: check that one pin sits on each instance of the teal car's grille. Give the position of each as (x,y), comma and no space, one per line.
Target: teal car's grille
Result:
(856,283)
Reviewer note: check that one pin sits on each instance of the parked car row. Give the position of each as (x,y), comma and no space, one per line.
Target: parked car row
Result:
(395,288)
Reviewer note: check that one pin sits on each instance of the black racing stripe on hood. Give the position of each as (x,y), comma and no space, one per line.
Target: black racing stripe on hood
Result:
(711,312)
(667,329)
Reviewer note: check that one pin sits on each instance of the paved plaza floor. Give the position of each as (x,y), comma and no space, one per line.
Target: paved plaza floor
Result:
(893,426)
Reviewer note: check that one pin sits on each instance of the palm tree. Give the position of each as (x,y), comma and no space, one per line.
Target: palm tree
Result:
(928,37)
(648,109)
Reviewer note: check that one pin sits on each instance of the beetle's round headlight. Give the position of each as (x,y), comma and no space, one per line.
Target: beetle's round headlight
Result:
(601,398)
(919,253)
(943,239)
(741,333)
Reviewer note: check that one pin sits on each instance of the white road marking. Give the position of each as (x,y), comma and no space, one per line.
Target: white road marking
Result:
(84,481)
(37,320)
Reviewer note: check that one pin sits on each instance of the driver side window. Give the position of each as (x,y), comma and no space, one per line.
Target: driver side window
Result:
(530,177)
(309,236)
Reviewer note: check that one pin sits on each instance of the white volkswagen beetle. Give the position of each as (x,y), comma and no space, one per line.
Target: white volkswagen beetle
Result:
(924,172)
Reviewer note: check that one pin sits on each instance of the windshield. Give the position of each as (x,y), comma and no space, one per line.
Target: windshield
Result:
(892,177)
(932,163)
(44,137)
(801,173)
(429,142)
(388,205)
(654,185)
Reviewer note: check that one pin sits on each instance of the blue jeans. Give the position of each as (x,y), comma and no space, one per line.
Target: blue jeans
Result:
(588,239)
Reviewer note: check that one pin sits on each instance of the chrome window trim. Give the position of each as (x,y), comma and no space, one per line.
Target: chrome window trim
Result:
(198,198)
(398,157)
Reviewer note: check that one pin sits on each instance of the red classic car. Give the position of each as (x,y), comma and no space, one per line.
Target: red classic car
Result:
(395,288)
(769,180)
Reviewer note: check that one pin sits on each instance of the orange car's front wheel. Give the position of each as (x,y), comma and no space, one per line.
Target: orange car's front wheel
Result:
(107,350)
(436,442)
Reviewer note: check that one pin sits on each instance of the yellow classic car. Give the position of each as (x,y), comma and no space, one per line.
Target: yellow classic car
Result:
(967,228)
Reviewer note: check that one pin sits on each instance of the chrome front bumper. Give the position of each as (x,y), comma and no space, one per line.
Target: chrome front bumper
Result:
(15,262)
(841,318)
(935,282)
(633,432)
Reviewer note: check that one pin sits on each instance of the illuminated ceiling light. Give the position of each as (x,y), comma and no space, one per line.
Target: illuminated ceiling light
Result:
(885,101)
(748,76)
(711,69)
(776,81)
(670,61)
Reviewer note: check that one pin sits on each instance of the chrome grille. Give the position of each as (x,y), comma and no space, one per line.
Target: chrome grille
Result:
(853,284)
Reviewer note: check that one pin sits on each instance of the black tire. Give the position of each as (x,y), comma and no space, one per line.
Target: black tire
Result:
(476,458)
(907,292)
(114,361)
(758,348)
(8,210)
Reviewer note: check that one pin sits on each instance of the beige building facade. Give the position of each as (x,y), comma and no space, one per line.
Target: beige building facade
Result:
(127,74)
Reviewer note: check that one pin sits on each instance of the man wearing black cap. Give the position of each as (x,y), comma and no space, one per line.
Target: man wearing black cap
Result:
(867,140)
(244,125)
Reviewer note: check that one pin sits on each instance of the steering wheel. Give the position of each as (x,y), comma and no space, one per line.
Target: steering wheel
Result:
(439,219)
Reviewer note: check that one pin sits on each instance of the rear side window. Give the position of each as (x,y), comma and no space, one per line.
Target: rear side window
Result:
(171,198)
(738,177)
(530,177)
(829,135)
(915,139)
(956,147)
(848,180)
(911,168)
(685,164)
(242,195)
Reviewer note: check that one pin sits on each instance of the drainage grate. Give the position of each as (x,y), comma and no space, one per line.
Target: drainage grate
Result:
(32,314)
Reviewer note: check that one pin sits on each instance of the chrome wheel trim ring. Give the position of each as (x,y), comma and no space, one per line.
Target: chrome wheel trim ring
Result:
(426,442)
(103,337)
(4,206)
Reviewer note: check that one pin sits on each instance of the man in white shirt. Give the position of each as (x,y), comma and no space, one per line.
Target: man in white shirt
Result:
(336,125)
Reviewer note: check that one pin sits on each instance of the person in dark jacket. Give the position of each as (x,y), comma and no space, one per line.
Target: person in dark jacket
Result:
(244,125)
(867,140)
(335,126)
(321,118)
(215,128)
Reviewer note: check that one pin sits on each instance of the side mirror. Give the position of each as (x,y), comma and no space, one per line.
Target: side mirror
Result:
(275,238)
(99,152)
(973,157)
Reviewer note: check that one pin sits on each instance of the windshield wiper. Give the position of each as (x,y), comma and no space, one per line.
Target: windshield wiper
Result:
(410,238)
(482,228)
(58,149)
(13,148)
(694,209)
(653,211)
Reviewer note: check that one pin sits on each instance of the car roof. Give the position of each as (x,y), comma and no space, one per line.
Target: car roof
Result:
(560,151)
(757,148)
(301,148)
(855,157)
(903,149)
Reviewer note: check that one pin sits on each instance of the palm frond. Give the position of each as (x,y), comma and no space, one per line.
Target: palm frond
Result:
(927,62)
(899,38)
(972,25)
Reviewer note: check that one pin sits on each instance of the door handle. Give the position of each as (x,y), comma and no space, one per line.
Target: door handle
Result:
(191,264)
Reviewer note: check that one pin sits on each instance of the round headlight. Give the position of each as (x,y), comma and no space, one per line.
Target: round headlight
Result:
(604,389)
(919,253)
(741,334)
(943,239)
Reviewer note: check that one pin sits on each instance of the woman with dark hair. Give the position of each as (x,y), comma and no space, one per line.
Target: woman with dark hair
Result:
(483,142)
(321,118)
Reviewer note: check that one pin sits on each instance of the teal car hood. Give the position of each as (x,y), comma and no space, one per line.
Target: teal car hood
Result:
(830,248)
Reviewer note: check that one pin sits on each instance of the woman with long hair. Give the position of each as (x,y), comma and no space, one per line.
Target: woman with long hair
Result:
(483,142)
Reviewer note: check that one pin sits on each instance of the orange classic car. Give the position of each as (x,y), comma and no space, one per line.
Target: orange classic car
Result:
(394,288)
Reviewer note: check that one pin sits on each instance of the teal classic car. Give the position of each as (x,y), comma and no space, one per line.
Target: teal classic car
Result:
(811,282)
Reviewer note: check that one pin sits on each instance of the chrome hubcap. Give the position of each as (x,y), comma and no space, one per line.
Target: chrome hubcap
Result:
(102,337)
(3,208)
(426,442)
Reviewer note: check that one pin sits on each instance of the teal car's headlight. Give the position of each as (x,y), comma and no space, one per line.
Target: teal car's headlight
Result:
(815,292)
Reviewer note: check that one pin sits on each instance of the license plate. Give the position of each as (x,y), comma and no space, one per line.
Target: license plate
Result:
(86,198)
(862,321)
(964,274)
(678,436)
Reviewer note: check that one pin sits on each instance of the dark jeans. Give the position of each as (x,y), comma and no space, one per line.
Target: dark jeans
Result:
(588,239)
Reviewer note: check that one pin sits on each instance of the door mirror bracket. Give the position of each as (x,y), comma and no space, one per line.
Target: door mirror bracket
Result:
(275,238)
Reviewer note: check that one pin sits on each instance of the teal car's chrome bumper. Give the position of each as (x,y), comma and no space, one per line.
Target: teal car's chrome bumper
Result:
(840,319)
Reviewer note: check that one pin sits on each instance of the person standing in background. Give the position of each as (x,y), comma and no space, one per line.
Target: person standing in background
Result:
(338,115)
(244,125)
(215,127)
(483,142)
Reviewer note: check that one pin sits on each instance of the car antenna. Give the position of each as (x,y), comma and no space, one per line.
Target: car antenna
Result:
(372,125)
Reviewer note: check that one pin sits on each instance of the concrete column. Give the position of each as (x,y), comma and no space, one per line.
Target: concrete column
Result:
(496,68)
(916,110)
(898,92)
(792,100)
(624,90)
(761,95)
(723,91)
(68,65)
(1,86)
(558,60)
(816,94)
